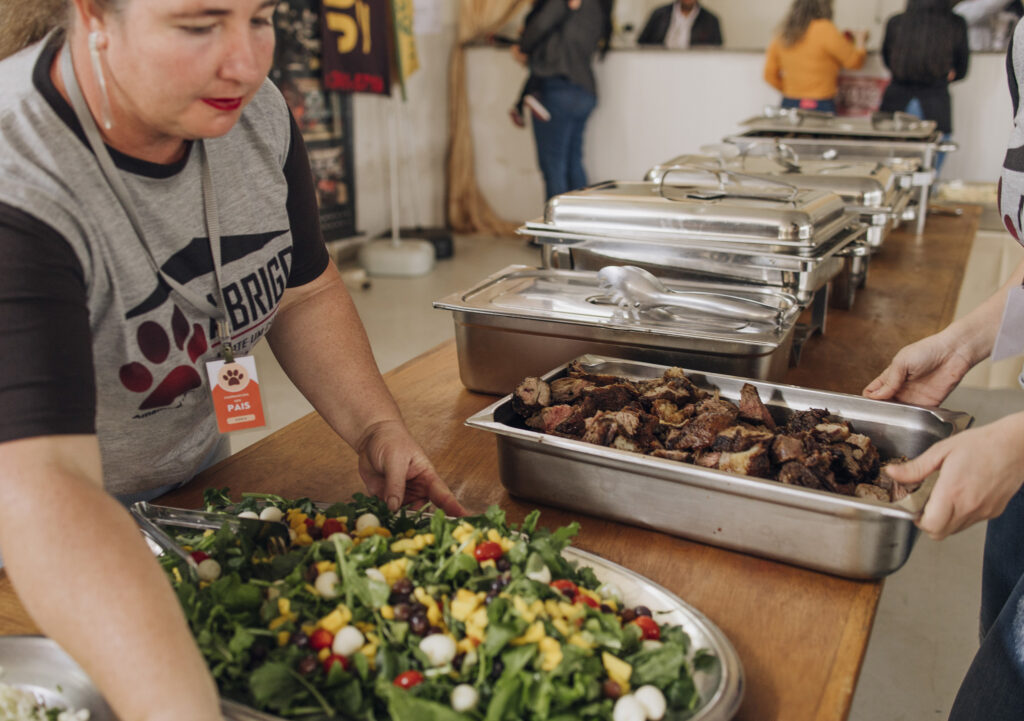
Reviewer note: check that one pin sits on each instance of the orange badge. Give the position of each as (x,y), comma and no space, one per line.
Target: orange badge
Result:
(236,394)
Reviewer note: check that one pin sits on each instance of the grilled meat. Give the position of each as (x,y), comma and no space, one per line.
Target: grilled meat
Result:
(670,417)
(530,396)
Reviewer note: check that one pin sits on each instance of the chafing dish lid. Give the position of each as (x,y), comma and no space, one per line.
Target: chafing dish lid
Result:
(649,210)
(576,297)
(860,183)
(897,126)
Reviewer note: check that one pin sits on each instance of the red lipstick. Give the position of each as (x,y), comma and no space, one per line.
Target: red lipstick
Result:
(223,103)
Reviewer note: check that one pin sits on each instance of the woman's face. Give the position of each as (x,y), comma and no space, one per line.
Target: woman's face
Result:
(186,68)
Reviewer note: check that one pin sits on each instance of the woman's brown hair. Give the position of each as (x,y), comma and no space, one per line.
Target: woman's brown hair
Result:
(800,15)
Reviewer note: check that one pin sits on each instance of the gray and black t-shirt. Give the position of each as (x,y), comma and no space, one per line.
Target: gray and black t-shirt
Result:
(91,340)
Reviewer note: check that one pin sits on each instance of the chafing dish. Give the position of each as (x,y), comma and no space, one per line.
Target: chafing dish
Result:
(910,146)
(779,218)
(847,536)
(522,321)
(868,188)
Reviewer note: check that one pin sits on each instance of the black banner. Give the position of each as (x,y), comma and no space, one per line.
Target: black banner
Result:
(356,48)
(325,118)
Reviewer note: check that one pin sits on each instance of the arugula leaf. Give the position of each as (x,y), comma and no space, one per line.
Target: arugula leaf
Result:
(404,705)
(505,702)
(274,686)
(659,666)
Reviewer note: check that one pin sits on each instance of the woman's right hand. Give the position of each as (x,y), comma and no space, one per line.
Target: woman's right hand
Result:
(922,373)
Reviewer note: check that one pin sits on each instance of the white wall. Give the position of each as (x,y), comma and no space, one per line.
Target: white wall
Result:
(654,104)
(750,24)
(423,135)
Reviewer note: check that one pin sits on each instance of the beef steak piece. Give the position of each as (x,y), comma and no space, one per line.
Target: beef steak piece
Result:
(797,474)
(740,437)
(752,409)
(752,462)
(567,389)
(530,396)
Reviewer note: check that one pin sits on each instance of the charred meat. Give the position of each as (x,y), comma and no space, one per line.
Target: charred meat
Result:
(672,418)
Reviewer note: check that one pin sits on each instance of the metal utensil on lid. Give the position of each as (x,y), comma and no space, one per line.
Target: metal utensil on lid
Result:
(634,288)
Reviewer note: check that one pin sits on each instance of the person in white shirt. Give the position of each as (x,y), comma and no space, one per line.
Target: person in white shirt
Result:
(680,25)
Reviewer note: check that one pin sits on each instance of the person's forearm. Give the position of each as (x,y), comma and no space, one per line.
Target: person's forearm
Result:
(322,346)
(975,333)
(88,580)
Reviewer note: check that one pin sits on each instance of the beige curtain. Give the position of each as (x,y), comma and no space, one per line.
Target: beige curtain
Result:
(468,210)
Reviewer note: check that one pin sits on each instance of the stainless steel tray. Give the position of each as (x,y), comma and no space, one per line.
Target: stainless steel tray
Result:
(783,216)
(851,537)
(38,665)
(802,274)
(522,321)
(866,187)
(721,686)
(901,126)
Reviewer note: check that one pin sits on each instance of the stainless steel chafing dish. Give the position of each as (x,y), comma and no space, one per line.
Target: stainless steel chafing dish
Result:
(909,145)
(781,236)
(847,536)
(522,321)
(868,188)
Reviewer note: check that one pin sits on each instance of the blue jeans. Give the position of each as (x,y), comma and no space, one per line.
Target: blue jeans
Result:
(560,140)
(993,689)
(914,108)
(823,106)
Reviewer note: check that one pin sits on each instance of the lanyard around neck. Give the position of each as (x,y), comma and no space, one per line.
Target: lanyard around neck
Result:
(116,183)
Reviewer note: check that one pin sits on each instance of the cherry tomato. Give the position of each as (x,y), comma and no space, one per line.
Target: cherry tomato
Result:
(336,658)
(200,556)
(332,525)
(565,587)
(321,638)
(584,598)
(649,627)
(408,679)
(488,551)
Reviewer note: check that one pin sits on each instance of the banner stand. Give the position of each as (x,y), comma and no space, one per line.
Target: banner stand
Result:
(395,256)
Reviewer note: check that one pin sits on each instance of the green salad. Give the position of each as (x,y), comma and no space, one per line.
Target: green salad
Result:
(418,617)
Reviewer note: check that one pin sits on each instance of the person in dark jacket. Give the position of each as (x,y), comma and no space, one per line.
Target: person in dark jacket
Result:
(680,25)
(925,49)
(560,40)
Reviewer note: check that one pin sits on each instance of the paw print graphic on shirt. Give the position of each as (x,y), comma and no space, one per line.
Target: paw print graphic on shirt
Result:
(155,346)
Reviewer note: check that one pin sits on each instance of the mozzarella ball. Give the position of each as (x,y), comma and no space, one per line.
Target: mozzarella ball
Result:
(627,708)
(610,590)
(209,570)
(439,648)
(341,536)
(469,659)
(248,514)
(327,584)
(652,700)
(367,520)
(271,513)
(649,644)
(292,535)
(347,641)
(464,698)
(375,575)
(542,576)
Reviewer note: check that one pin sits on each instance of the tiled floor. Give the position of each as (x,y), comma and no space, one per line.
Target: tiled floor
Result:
(925,630)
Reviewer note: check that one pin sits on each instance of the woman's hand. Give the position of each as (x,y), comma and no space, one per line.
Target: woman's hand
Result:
(979,472)
(922,373)
(395,468)
(518,55)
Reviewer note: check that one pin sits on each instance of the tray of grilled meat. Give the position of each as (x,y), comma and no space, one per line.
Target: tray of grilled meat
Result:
(788,473)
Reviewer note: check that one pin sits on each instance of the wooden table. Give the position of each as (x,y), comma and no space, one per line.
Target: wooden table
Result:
(800,635)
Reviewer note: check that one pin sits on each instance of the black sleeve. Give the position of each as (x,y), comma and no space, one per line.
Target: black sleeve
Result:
(961,51)
(47,382)
(544,22)
(649,35)
(716,34)
(887,44)
(309,254)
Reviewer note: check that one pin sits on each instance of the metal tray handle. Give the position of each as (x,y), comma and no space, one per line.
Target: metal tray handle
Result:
(721,174)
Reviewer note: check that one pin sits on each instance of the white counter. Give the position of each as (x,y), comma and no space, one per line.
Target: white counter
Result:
(655,104)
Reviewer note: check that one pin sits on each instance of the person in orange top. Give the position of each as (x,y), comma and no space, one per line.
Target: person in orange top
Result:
(804,60)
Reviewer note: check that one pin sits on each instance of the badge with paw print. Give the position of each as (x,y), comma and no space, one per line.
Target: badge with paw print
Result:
(236,394)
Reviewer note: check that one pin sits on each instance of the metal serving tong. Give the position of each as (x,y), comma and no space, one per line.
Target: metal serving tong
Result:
(634,289)
(152,519)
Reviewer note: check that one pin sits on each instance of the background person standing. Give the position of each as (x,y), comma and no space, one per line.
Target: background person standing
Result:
(560,40)
(804,59)
(680,25)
